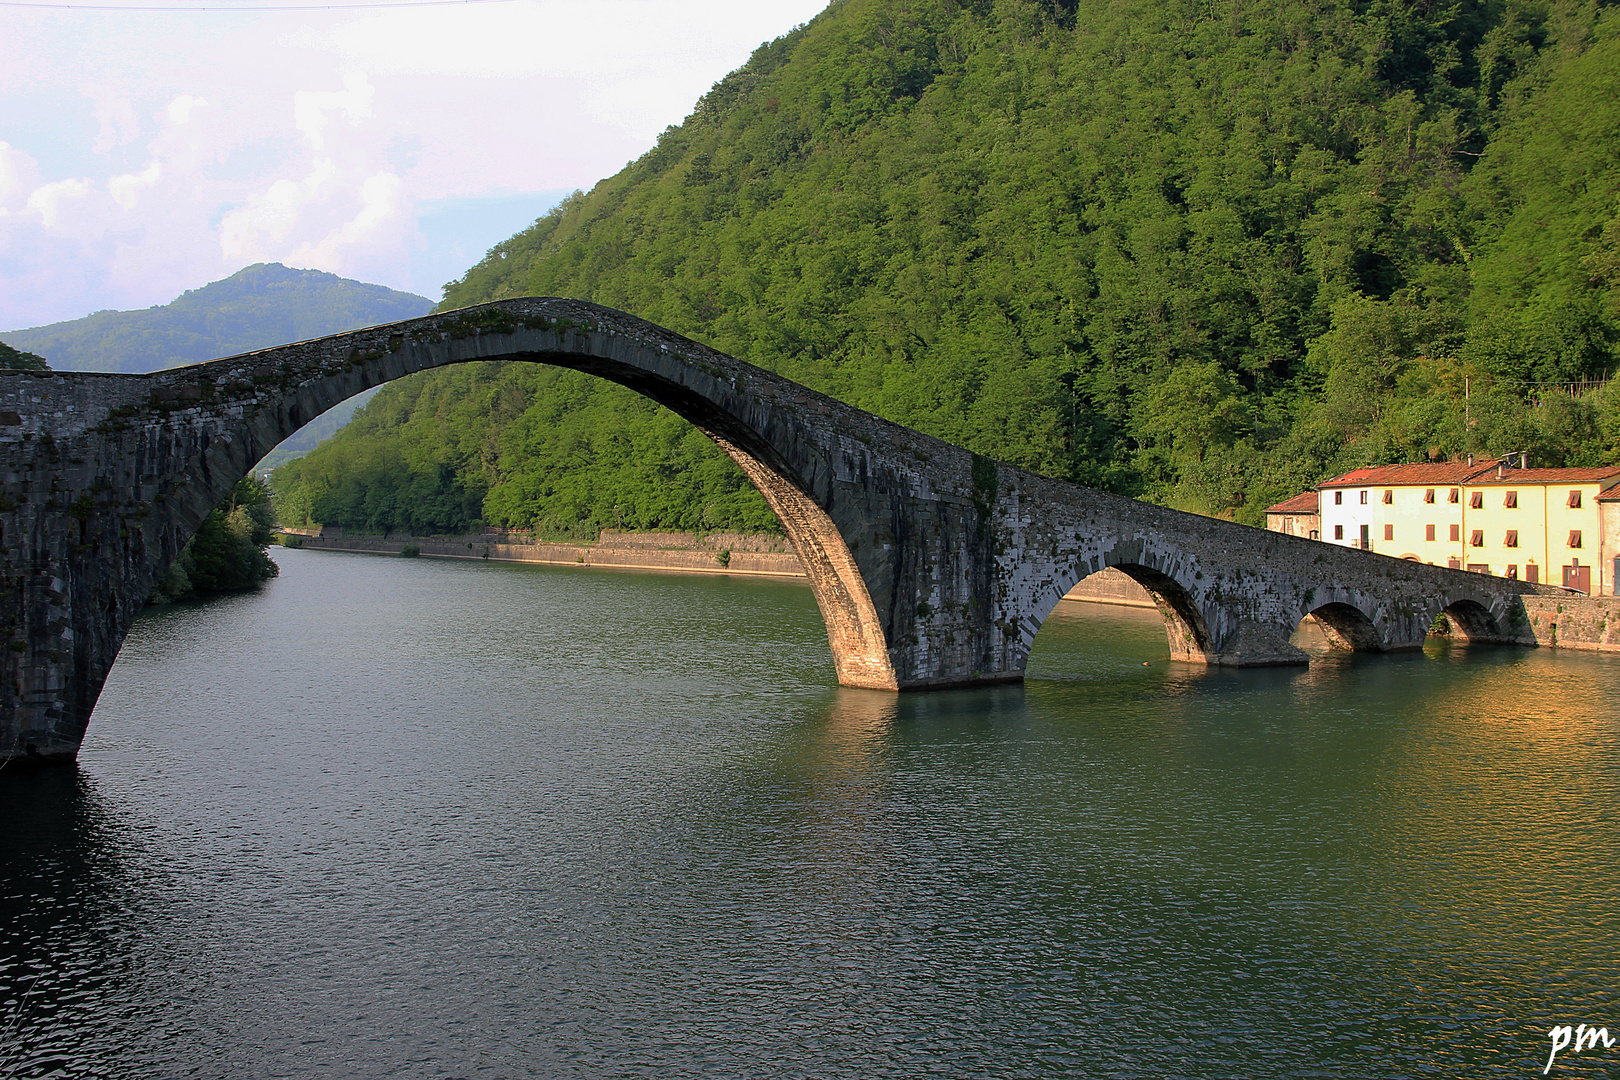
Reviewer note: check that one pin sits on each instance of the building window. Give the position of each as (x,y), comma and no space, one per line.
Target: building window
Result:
(1428,497)
(1532,572)
(1316,534)
(1389,496)
(1363,498)
(1338,498)
(1454,562)
(1575,537)
(1476,501)
(1456,533)
(1476,538)
(1574,501)
(1428,532)
(1512,539)
(1513,571)
(1453,494)
(1389,532)
(1479,568)
(1338,532)
(1511,500)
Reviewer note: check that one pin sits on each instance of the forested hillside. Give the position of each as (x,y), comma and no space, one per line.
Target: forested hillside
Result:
(262,305)
(1200,253)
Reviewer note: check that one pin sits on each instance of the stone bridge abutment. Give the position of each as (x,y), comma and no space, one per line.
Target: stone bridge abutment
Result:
(932,566)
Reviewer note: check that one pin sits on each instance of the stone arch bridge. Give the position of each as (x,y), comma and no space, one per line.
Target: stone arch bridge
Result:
(933,567)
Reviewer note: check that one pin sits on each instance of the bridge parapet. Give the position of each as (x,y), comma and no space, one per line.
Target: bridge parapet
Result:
(932,566)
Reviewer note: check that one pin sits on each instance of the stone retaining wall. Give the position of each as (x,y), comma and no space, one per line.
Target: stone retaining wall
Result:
(1575,622)
(1110,586)
(697,556)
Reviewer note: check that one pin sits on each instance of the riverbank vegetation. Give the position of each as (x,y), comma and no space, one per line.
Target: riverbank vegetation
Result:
(1202,254)
(228,554)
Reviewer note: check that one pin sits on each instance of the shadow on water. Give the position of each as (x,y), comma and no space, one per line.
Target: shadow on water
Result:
(71,940)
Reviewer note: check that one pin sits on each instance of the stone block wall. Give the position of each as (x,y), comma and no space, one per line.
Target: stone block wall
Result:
(1110,586)
(612,552)
(1575,622)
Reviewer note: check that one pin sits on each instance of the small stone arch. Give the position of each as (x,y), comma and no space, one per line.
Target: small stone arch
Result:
(1347,627)
(1472,621)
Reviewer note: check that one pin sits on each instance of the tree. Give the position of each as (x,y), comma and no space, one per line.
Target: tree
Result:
(228,553)
(17,360)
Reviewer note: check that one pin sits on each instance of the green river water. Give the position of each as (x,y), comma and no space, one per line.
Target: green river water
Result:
(406,817)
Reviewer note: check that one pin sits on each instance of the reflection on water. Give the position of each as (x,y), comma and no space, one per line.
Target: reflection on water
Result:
(406,817)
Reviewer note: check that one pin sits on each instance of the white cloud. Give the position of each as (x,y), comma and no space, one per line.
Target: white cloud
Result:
(210,140)
(254,232)
(311,106)
(116,118)
(18,173)
(126,189)
(180,109)
(47,199)
(381,200)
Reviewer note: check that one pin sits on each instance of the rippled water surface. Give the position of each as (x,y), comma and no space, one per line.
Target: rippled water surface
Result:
(393,817)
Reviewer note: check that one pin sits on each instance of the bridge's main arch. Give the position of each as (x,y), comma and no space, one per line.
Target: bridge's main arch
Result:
(932,566)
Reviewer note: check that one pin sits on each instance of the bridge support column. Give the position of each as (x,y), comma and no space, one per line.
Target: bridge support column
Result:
(1255,644)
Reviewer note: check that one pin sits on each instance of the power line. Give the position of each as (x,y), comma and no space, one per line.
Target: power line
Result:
(247,7)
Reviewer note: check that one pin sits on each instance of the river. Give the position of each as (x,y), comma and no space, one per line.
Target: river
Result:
(410,817)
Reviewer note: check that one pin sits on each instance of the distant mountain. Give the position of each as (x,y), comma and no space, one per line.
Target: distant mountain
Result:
(263,305)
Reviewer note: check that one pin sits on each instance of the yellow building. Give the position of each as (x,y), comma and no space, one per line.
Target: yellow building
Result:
(1609,541)
(1540,525)
(1414,511)
(1543,525)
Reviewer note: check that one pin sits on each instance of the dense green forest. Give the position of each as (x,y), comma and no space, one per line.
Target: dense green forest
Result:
(228,553)
(17,360)
(262,305)
(1202,253)
(314,433)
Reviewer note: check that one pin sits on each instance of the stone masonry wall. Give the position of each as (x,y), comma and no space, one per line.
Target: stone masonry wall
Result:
(612,552)
(1575,622)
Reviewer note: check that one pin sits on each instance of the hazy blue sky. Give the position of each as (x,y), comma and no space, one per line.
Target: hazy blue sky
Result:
(147,152)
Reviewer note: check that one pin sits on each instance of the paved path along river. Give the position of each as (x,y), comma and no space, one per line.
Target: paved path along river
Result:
(401,817)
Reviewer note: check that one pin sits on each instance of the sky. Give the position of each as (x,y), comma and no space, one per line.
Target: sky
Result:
(146,152)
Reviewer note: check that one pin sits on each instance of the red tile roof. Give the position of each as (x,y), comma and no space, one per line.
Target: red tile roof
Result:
(1552,476)
(1299,504)
(1610,494)
(1421,472)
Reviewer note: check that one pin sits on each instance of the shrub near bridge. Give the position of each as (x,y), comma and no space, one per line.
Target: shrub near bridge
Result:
(228,553)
